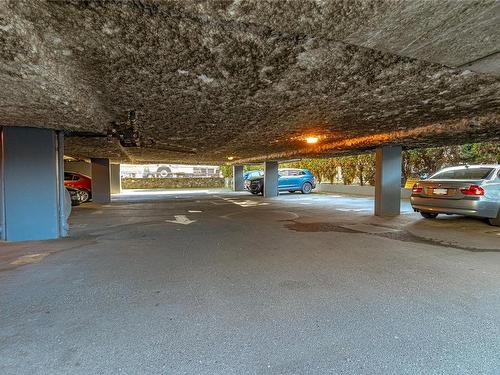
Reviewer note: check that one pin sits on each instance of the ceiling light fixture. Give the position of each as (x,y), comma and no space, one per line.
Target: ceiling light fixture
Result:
(312,140)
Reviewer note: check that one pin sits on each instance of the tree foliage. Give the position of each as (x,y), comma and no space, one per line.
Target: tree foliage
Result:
(361,168)
(227,170)
(365,168)
(429,160)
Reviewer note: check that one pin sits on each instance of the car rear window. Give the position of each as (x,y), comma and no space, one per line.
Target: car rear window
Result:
(463,174)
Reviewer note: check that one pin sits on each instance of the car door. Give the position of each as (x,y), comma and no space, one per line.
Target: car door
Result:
(69,179)
(283,182)
(295,180)
(78,182)
(492,192)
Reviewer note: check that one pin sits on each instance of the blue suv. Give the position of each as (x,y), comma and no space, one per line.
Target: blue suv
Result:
(290,179)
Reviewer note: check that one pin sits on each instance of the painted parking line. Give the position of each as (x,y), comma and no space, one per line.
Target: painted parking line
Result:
(354,209)
(28,259)
(245,203)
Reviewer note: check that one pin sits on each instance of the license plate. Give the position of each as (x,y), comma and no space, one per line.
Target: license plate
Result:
(440,191)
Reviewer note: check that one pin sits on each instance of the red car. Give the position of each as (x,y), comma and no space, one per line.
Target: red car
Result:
(81,182)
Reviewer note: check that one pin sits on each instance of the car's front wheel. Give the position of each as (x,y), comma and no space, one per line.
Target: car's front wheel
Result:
(495,221)
(83,196)
(429,215)
(306,188)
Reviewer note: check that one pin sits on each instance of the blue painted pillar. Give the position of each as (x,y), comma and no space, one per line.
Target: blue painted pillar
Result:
(271,179)
(238,183)
(32,184)
(388,181)
(101,180)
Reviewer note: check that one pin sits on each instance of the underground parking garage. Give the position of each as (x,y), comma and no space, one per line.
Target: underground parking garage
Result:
(235,283)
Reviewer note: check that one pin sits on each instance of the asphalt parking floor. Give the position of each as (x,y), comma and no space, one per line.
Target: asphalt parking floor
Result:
(215,282)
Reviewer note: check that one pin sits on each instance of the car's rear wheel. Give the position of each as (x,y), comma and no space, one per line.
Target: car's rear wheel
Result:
(83,196)
(429,215)
(495,221)
(306,188)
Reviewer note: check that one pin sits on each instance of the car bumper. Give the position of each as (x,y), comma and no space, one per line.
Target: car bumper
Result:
(468,207)
(255,189)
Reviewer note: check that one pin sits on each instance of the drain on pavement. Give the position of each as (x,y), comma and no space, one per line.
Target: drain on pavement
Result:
(317,227)
(370,228)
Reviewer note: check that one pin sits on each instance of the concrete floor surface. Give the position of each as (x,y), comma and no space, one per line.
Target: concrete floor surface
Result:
(212,282)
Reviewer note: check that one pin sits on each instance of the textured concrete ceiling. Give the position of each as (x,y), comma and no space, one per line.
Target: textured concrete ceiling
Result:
(191,81)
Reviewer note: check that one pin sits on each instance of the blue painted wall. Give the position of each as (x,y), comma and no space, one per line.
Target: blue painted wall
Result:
(31,184)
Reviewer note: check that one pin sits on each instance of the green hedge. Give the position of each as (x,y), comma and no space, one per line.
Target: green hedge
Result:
(172,183)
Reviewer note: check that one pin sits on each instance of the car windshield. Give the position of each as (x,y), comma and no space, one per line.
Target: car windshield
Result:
(463,174)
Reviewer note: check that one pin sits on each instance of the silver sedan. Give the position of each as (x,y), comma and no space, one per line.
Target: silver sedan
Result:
(471,190)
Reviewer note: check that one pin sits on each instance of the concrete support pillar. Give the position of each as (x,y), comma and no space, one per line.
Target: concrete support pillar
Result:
(116,181)
(32,190)
(101,180)
(271,179)
(388,181)
(238,183)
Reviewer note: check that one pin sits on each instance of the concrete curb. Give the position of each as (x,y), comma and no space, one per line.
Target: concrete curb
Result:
(368,191)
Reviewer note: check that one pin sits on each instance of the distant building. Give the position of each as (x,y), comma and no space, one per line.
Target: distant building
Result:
(169,170)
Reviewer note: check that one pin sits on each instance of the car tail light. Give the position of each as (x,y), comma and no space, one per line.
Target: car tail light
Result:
(417,188)
(473,190)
